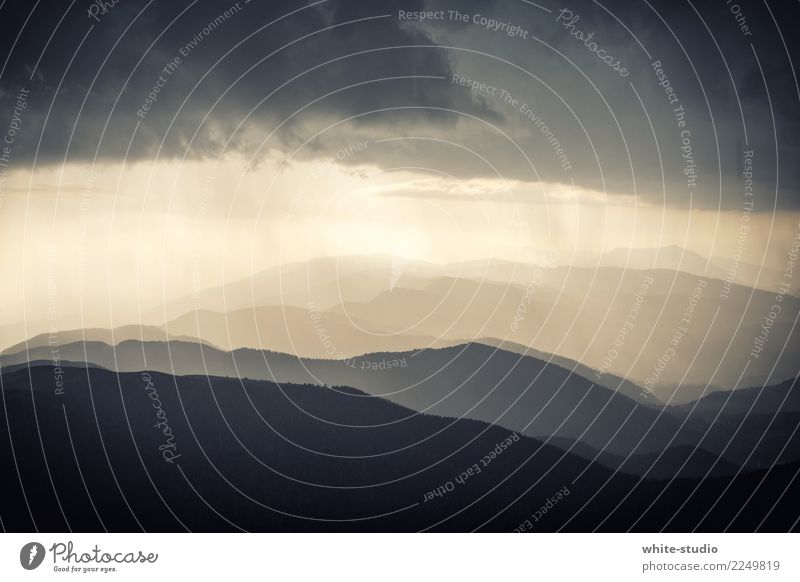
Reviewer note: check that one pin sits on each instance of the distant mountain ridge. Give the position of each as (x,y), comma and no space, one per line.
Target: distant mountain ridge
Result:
(107,336)
(580,326)
(339,307)
(677,258)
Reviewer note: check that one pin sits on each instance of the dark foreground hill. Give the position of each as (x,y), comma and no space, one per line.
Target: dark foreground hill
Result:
(133,451)
(524,394)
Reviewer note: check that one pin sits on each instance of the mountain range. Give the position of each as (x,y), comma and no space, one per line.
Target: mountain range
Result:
(382,394)
(256,456)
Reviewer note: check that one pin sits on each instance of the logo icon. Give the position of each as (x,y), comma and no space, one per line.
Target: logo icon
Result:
(31,555)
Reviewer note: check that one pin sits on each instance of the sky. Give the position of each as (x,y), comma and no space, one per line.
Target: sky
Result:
(153,148)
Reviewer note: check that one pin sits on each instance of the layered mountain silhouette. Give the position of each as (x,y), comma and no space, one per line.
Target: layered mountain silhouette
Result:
(256,456)
(784,397)
(476,381)
(323,281)
(683,461)
(346,306)
(378,393)
(108,336)
(293,330)
(607,317)
(676,258)
(673,257)
(607,380)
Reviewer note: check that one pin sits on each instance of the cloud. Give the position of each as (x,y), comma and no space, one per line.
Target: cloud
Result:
(197,77)
(498,190)
(263,79)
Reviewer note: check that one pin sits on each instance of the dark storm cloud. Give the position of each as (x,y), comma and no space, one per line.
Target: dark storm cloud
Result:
(726,62)
(223,64)
(84,84)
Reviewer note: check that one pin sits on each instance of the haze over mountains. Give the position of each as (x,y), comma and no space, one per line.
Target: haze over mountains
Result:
(110,337)
(342,307)
(676,333)
(329,281)
(675,258)
(319,355)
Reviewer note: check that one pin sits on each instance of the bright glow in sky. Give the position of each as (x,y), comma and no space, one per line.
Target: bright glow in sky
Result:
(129,237)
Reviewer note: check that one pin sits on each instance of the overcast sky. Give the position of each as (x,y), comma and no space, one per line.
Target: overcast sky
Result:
(151,141)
